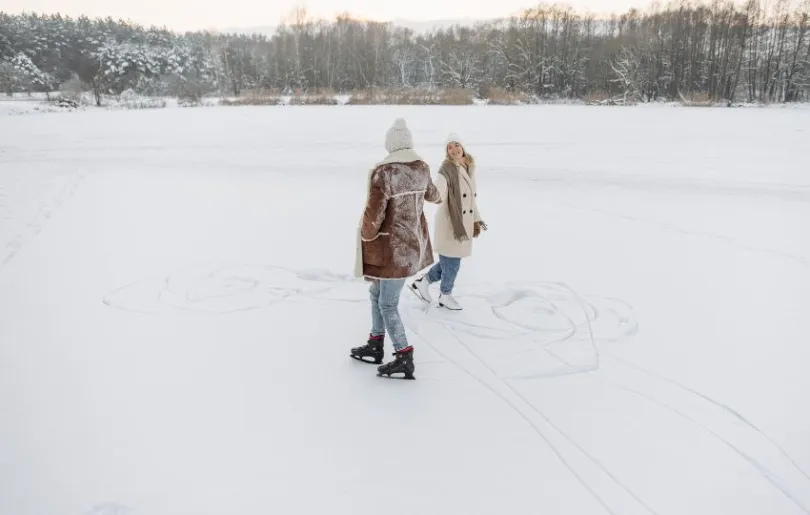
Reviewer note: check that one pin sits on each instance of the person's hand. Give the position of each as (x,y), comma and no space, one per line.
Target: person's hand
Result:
(478,227)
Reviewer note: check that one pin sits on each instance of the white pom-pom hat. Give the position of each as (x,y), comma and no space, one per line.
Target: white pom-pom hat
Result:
(453,138)
(398,137)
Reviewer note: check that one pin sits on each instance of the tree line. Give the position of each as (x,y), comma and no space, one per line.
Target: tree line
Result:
(718,51)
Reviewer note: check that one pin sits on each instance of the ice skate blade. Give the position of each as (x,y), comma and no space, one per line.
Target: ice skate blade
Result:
(377,361)
(389,376)
(419,296)
(448,309)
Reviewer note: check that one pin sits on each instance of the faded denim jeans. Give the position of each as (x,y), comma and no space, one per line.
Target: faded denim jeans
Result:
(385,311)
(445,271)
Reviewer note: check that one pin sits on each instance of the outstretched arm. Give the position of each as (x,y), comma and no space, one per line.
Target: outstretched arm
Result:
(374,214)
(441,188)
(432,194)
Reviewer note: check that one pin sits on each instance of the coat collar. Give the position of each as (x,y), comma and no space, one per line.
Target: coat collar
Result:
(400,156)
(462,172)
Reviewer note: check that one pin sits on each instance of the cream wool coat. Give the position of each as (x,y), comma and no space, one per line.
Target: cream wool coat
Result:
(444,242)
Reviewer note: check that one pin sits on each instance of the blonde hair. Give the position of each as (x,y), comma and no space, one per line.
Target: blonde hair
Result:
(466,158)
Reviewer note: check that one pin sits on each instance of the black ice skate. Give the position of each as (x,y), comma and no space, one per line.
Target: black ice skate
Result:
(373,349)
(402,364)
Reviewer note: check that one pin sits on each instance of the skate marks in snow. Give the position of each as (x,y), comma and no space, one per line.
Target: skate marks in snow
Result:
(607,490)
(507,337)
(548,330)
(721,422)
(543,329)
(229,289)
(28,199)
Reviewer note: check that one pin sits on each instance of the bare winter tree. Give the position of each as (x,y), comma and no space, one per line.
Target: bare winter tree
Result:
(718,51)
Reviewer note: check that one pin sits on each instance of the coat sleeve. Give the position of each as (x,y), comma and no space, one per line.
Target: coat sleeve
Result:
(374,214)
(441,188)
(432,194)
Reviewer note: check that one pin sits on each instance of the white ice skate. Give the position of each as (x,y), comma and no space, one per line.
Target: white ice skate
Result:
(420,289)
(448,302)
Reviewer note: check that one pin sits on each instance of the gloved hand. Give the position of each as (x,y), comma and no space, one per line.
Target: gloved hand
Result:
(479,226)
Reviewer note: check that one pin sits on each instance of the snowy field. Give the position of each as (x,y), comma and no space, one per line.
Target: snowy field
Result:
(176,313)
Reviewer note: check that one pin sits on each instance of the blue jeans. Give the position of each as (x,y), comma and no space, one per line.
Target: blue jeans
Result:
(445,271)
(385,311)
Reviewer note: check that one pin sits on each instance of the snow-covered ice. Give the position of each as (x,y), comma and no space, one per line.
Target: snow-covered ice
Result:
(177,307)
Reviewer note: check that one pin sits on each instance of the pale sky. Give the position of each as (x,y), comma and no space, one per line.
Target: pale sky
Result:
(219,14)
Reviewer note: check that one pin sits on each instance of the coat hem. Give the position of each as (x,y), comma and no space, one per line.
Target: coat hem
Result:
(418,272)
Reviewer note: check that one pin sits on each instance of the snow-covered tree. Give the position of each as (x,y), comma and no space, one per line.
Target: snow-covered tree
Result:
(20,73)
(714,49)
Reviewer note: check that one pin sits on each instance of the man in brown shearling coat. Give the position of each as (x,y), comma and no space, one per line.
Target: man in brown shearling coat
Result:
(394,244)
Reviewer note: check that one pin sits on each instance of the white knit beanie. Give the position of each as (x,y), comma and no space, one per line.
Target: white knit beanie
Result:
(453,138)
(398,137)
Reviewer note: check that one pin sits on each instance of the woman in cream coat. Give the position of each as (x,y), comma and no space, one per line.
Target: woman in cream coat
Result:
(458,221)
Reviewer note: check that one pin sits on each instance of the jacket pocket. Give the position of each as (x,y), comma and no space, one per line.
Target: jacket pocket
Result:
(377,251)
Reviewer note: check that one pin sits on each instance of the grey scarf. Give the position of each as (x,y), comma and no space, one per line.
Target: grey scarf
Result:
(450,173)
